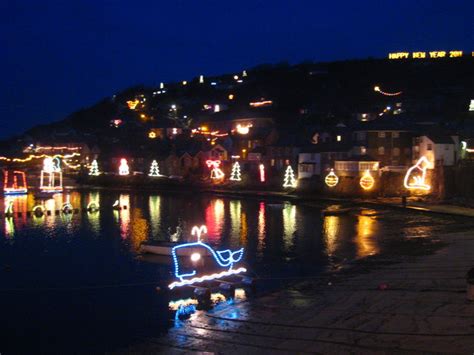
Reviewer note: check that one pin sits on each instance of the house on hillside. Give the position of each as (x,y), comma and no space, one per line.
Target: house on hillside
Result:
(389,142)
(437,148)
(316,159)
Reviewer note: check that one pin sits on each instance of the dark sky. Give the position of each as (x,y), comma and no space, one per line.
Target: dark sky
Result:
(59,56)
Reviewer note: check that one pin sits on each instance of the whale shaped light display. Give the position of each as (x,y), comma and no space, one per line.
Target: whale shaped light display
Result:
(415,178)
(223,260)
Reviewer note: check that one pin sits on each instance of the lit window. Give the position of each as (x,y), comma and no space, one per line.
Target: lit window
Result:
(381,134)
(338,138)
(396,152)
(395,134)
(363,150)
(381,150)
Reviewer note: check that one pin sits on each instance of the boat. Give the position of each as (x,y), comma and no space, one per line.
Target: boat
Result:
(166,248)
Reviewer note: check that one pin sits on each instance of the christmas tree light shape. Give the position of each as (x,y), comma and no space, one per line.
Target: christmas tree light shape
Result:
(415,178)
(289,180)
(235,173)
(367,181)
(331,179)
(94,169)
(123,168)
(154,169)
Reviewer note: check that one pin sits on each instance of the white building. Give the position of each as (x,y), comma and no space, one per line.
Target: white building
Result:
(438,149)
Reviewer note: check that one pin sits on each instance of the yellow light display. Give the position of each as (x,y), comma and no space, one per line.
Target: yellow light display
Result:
(377,89)
(429,54)
(32,156)
(367,181)
(331,179)
(415,178)
(132,104)
(152,135)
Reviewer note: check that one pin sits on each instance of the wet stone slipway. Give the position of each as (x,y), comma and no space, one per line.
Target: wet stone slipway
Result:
(414,305)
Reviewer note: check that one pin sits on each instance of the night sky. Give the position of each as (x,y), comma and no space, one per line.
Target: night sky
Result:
(59,56)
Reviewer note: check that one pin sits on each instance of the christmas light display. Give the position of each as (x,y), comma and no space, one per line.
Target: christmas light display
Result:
(32,156)
(51,168)
(367,181)
(94,169)
(132,104)
(216,172)
(92,206)
(38,210)
(377,89)
(235,173)
(243,129)
(123,168)
(15,187)
(224,259)
(331,179)
(8,208)
(415,178)
(261,169)
(154,169)
(289,180)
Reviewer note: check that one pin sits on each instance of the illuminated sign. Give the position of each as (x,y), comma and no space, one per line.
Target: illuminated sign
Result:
(188,275)
(331,179)
(423,55)
(367,181)
(415,178)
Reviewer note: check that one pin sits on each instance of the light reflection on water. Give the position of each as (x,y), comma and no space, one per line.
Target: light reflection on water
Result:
(268,230)
(100,248)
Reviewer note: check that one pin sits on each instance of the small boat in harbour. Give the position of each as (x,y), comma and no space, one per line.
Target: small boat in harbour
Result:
(166,248)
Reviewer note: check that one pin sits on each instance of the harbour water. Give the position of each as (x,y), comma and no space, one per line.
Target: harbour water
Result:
(77,281)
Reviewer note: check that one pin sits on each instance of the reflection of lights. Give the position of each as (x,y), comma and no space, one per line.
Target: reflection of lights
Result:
(215,218)
(124,200)
(261,226)
(366,237)
(235,211)
(289,224)
(138,229)
(414,182)
(331,232)
(154,205)
(367,181)
(9,227)
(331,179)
